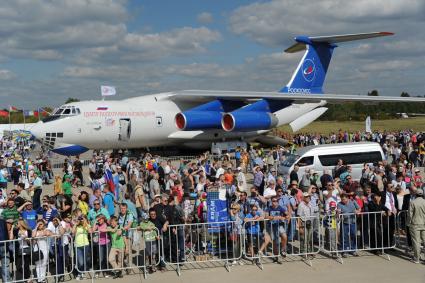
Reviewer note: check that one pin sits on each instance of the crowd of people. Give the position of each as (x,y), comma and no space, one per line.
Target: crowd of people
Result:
(97,212)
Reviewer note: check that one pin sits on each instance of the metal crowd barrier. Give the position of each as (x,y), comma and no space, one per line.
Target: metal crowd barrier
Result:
(268,238)
(36,259)
(403,238)
(350,233)
(202,242)
(108,253)
(104,253)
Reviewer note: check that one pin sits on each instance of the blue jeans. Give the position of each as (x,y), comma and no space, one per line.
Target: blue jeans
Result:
(102,256)
(292,229)
(83,258)
(5,261)
(349,234)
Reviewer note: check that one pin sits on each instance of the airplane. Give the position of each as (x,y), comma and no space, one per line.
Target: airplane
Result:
(196,118)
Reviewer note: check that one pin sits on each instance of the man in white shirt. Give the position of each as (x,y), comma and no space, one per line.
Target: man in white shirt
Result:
(389,224)
(400,183)
(270,191)
(241,180)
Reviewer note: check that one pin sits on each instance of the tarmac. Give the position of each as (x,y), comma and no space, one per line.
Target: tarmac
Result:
(366,268)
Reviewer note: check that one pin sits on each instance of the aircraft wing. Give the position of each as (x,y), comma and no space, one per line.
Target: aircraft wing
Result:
(206,95)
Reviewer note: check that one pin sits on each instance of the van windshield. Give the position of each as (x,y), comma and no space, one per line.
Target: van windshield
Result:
(290,159)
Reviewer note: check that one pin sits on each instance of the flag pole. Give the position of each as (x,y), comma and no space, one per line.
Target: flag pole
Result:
(23,113)
(10,126)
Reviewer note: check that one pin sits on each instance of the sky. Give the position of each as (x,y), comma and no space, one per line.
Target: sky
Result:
(52,50)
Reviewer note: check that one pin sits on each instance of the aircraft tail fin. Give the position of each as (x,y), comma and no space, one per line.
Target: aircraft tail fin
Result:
(311,71)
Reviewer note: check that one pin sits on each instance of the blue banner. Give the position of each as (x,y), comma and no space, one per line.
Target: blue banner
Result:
(217,209)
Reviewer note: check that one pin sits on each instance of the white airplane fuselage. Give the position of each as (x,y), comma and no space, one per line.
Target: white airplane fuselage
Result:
(145,121)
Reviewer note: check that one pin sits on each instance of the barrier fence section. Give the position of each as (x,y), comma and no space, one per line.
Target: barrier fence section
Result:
(202,242)
(403,237)
(350,233)
(108,252)
(35,259)
(276,237)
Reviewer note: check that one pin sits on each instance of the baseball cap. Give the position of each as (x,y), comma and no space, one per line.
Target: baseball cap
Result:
(332,204)
(419,192)
(417,170)
(239,168)
(305,194)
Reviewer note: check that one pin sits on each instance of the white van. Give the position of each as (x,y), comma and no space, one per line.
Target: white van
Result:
(325,157)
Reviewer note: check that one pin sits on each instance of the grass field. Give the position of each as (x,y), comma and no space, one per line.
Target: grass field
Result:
(326,127)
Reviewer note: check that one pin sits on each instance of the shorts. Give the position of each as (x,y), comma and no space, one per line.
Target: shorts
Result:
(275,232)
(151,248)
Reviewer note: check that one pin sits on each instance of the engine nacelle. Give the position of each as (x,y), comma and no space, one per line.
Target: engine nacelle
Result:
(198,120)
(245,121)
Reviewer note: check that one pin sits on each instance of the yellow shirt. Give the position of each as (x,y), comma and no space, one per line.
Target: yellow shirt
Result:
(84,207)
(81,237)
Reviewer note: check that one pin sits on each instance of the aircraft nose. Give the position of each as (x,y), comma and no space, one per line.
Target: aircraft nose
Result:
(38,130)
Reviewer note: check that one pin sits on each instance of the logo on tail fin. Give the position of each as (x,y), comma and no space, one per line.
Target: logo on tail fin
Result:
(309,70)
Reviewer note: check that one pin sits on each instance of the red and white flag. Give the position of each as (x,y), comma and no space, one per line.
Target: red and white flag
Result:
(13,109)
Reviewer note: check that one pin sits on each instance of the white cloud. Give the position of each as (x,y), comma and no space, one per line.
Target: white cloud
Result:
(205,18)
(46,29)
(6,75)
(204,71)
(271,22)
(139,47)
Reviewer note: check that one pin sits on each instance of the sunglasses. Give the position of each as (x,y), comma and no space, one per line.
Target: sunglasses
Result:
(96,203)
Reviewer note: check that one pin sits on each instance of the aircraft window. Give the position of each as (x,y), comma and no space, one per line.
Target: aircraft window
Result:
(73,110)
(66,111)
(60,135)
(59,111)
(78,110)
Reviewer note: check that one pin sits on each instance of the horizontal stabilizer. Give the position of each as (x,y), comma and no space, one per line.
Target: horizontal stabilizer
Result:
(332,39)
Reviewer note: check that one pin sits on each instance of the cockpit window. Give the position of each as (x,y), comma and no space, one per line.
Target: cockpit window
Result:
(59,111)
(63,112)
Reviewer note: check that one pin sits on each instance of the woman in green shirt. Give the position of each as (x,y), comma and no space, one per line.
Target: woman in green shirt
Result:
(81,232)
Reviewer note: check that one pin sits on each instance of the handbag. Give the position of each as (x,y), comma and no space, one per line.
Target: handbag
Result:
(36,255)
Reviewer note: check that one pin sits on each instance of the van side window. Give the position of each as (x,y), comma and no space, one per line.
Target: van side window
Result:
(351,158)
(305,161)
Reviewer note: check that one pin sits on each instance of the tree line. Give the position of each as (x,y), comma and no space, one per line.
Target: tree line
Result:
(356,111)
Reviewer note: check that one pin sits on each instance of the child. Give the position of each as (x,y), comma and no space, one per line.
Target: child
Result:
(330,222)
(116,254)
(67,187)
(57,187)
(150,235)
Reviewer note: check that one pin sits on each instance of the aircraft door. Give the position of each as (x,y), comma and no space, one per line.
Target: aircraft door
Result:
(125,130)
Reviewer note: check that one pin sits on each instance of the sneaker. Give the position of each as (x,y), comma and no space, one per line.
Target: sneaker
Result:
(79,277)
(234,262)
(416,261)
(96,275)
(260,254)
(355,254)
(283,253)
(344,255)
(276,260)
